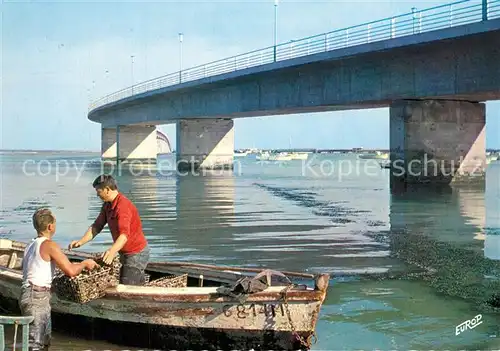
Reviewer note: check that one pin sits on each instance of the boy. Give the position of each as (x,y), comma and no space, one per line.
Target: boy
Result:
(124,222)
(39,261)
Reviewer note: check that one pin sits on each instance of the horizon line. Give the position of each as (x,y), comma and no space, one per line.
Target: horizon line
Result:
(240,148)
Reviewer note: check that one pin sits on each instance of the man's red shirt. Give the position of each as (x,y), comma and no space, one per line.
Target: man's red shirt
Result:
(122,217)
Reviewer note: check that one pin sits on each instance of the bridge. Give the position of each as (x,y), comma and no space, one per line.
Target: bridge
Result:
(433,68)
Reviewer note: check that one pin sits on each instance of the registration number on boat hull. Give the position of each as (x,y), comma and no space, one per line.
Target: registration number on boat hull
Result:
(253,310)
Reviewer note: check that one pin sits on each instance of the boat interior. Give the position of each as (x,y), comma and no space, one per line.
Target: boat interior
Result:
(198,275)
(10,258)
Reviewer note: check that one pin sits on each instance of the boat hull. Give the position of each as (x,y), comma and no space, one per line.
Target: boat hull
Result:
(277,318)
(166,337)
(161,324)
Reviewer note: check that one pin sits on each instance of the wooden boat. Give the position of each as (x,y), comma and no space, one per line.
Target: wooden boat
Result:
(199,316)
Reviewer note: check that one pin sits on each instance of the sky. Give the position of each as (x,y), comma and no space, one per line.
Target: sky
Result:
(58,56)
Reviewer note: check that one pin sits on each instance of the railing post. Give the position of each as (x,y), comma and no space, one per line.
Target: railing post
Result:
(485,10)
(368,34)
(420,22)
(347,37)
(413,9)
(393,28)
(326,42)
(451,15)
(274,53)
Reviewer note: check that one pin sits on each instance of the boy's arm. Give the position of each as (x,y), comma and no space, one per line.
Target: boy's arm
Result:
(69,268)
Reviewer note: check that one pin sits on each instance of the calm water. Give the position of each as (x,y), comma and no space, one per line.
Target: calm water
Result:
(406,269)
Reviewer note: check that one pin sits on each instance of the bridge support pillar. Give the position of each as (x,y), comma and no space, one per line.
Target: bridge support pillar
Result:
(437,142)
(129,144)
(108,144)
(204,144)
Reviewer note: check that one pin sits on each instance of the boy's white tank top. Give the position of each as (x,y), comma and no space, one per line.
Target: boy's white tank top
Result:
(36,270)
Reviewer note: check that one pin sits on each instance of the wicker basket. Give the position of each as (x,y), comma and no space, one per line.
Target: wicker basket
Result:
(170,281)
(88,285)
(115,265)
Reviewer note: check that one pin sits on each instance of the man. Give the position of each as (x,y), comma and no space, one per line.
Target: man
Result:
(39,261)
(124,223)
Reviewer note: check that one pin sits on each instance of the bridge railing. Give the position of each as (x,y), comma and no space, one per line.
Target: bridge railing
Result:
(415,22)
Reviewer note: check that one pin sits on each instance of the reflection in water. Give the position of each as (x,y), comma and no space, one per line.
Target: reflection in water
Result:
(448,246)
(492,227)
(492,246)
(205,202)
(416,209)
(205,212)
(473,210)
